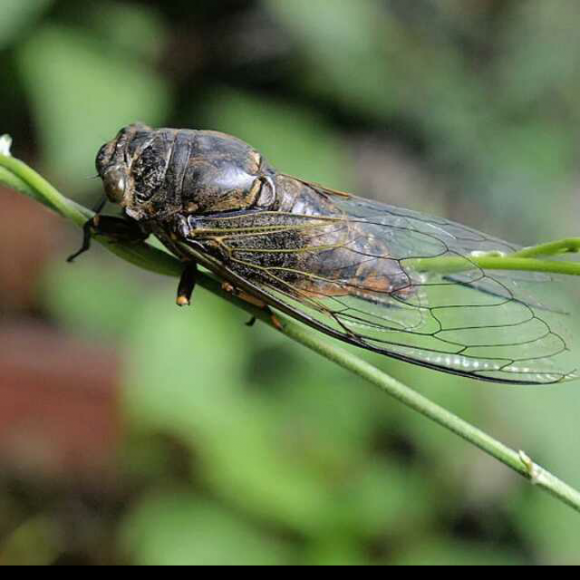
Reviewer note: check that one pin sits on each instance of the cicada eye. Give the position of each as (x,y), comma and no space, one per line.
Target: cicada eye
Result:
(115,181)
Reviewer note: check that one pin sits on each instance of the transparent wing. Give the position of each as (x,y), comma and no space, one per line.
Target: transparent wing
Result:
(354,274)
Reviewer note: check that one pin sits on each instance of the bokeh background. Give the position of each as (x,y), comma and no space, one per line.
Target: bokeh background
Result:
(133,432)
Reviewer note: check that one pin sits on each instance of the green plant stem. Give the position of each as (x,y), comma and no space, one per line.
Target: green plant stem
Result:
(516,262)
(42,190)
(566,246)
(19,176)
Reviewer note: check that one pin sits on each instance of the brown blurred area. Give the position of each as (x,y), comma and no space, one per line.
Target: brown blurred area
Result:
(31,234)
(59,411)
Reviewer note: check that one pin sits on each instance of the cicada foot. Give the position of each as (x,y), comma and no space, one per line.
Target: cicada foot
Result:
(114,228)
(227,287)
(273,319)
(276,323)
(187,285)
(86,246)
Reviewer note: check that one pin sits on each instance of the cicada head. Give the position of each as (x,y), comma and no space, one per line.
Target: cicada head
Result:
(155,173)
(132,167)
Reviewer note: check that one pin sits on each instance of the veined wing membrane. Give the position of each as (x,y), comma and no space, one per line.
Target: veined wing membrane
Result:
(351,272)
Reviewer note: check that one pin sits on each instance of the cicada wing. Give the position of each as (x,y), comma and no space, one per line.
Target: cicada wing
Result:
(352,274)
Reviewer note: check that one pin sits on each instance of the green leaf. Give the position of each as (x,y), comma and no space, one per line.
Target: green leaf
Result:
(444,552)
(132,29)
(331,29)
(33,543)
(184,364)
(79,295)
(383,497)
(343,44)
(16,15)
(82,94)
(253,463)
(177,528)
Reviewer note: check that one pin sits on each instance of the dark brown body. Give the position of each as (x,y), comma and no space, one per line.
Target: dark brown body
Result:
(215,190)
(341,264)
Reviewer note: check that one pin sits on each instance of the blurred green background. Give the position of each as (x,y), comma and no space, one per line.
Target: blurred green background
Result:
(134,432)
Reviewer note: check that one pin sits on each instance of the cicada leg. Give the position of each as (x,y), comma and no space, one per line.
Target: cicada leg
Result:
(117,229)
(227,287)
(187,284)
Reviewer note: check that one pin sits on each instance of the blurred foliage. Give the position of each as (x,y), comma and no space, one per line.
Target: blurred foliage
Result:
(241,448)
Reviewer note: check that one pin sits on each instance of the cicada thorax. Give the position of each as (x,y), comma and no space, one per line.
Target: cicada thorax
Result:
(156,174)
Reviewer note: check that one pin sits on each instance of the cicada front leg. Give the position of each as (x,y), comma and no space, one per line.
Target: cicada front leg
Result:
(115,228)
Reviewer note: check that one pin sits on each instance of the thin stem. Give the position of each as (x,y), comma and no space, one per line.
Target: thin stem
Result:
(42,189)
(19,176)
(566,246)
(523,260)
(513,262)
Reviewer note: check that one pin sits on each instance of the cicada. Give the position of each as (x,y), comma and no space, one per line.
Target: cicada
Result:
(346,266)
